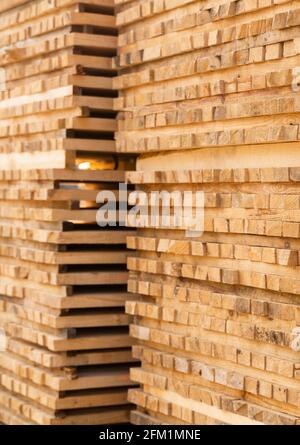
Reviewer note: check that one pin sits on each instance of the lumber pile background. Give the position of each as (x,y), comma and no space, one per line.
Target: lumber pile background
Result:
(210,101)
(62,278)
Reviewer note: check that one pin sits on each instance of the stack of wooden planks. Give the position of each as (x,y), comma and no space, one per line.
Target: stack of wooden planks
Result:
(210,101)
(67,349)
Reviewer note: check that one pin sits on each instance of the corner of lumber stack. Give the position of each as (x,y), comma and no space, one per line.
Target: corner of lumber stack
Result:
(209,100)
(62,278)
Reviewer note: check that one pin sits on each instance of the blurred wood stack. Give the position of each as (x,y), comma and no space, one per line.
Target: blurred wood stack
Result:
(210,100)
(62,278)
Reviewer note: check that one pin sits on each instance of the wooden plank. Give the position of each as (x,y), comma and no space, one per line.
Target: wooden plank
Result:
(114,298)
(93,41)
(98,103)
(90,341)
(92,320)
(95,398)
(101,146)
(92,82)
(80,278)
(92,124)
(92,62)
(88,176)
(113,416)
(88,257)
(94,237)
(99,20)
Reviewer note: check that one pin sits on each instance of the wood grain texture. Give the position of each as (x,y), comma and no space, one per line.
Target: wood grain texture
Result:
(62,277)
(209,102)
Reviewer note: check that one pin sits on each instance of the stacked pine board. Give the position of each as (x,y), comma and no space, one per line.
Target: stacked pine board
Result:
(62,278)
(209,98)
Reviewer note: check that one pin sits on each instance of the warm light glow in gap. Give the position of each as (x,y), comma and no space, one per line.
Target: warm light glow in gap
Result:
(84,166)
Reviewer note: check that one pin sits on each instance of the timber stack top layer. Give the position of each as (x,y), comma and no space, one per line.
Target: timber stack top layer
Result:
(209,98)
(205,74)
(62,278)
